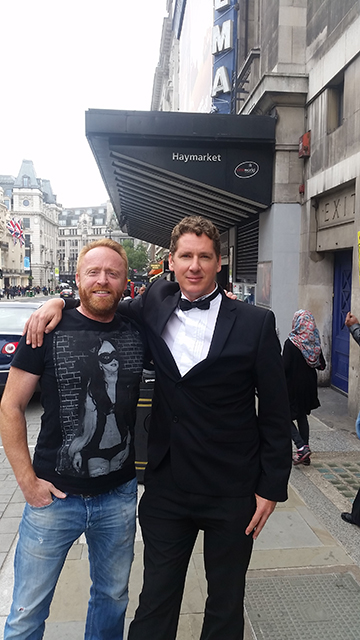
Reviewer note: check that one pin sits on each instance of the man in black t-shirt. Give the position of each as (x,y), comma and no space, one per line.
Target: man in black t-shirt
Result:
(82,478)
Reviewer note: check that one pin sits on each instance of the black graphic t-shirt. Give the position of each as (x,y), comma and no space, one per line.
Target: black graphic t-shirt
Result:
(90,373)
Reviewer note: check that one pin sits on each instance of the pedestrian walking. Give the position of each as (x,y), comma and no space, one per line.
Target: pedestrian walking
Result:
(302,356)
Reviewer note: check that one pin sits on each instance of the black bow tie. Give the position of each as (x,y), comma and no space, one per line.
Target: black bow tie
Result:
(185,305)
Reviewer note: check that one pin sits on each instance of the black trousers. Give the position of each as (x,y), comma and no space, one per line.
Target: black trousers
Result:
(300,435)
(356,509)
(170,521)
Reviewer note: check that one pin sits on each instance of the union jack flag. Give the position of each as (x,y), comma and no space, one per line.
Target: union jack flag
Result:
(15,228)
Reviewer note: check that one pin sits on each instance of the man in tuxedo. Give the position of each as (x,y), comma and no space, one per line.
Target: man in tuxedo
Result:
(218,460)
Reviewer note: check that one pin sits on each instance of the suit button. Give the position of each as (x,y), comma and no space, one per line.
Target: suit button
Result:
(175,419)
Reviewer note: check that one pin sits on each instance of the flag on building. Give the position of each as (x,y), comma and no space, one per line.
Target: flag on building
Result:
(15,228)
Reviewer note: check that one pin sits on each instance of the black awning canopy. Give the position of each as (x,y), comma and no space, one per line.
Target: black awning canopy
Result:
(160,167)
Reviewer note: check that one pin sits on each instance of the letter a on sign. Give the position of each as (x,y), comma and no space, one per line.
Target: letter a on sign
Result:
(221,82)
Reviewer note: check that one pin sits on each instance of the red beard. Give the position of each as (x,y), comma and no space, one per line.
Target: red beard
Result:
(97,305)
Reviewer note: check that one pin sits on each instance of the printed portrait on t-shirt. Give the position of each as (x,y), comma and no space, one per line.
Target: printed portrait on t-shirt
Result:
(98,386)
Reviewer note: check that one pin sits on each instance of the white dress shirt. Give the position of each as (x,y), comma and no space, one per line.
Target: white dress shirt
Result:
(188,334)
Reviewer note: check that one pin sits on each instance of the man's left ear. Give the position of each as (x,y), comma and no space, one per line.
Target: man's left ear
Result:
(171,263)
(219,265)
(76,279)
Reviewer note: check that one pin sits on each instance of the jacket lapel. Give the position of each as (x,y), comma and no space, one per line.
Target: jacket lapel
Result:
(166,308)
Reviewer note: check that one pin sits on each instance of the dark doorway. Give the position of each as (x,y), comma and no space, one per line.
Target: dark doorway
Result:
(340,333)
(223,277)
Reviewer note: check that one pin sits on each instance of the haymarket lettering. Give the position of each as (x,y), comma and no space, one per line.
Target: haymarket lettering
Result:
(196,157)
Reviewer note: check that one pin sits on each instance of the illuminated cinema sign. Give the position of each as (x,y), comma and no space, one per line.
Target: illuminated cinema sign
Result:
(224,36)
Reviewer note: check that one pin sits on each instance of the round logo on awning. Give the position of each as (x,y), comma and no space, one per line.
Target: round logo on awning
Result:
(247,169)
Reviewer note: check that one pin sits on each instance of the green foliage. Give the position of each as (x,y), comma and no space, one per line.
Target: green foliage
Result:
(137,256)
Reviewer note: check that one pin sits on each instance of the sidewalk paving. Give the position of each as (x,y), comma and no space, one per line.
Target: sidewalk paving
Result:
(304,576)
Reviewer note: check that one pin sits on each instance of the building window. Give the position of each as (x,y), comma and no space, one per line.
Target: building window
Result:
(26,223)
(25,181)
(335,104)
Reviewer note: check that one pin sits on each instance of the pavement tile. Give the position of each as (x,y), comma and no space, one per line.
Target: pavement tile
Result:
(6,541)
(9,525)
(326,605)
(73,630)
(72,593)
(14,509)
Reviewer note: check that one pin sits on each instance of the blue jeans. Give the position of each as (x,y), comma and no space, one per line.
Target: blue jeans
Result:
(45,537)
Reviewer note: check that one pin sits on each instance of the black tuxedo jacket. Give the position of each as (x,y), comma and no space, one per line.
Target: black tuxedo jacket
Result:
(222,441)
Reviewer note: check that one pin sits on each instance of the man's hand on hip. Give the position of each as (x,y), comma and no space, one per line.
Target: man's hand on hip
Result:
(264,509)
(39,493)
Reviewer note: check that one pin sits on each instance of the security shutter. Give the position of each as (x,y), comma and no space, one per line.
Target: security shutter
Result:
(247,251)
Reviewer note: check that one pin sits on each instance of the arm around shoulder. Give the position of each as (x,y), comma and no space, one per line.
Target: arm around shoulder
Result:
(44,320)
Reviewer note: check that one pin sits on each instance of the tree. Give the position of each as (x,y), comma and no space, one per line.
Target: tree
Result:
(137,256)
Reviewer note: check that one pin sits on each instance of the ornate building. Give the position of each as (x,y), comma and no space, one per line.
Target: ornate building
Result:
(12,252)
(79,226)
(31,200)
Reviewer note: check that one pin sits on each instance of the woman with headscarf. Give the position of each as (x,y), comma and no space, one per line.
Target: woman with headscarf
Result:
(302,355)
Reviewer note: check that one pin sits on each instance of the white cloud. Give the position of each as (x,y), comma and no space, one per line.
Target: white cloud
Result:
(60,59)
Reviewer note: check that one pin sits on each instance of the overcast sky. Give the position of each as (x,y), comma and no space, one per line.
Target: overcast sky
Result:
(59,59)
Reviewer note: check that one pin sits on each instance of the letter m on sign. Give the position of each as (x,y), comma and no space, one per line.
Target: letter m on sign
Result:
(222,37)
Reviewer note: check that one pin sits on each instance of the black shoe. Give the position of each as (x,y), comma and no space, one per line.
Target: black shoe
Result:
(301,455)
(306,462)
(347,517)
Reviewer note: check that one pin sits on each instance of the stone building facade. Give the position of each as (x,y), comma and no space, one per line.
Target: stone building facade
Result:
(31,200)
(297,61)
(53,235)
(79,226)
(13,267)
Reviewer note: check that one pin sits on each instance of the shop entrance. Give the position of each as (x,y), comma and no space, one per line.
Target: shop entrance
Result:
(340,333)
